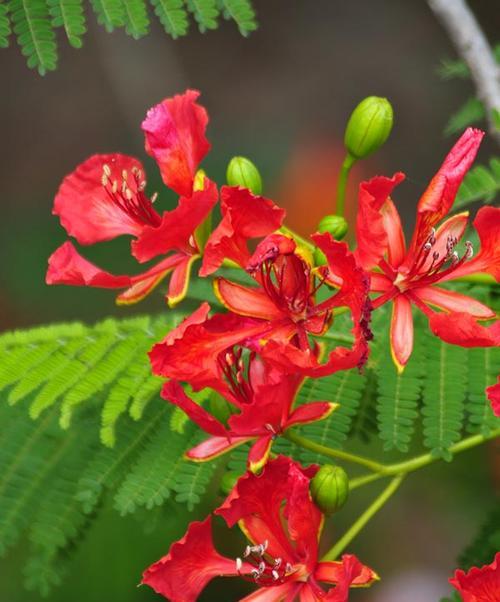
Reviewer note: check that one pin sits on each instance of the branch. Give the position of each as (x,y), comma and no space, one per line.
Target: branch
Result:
(472,45)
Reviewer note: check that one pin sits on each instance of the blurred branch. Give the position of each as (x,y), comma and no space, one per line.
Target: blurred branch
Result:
(472,45)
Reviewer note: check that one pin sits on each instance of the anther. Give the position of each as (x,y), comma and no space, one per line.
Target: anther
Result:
(106,169)
(104,180)
(247,552)
(114,187)
(288,567)
(125,175)
(154,197)
(427,246)
(435,255)
(275,575)
(277,563)
(239,564)
(469,249)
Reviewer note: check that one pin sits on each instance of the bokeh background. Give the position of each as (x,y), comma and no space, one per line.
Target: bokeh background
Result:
(280,97)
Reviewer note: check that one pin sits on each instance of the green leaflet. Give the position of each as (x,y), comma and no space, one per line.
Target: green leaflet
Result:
(69,15)
(136,18)
(480,184)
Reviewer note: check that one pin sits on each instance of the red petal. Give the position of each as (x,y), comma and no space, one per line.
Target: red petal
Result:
(493,394)
(256,502)
(311,412)
(259,453)
(214,447)
(372,223)
(479,584)
(192,355)
(175,137)
(245,301)
(174,393)
(334,572)
(452,301)
(462,329)
(177,227)
(273,593)
(179,281)
(191,563)
(437,200)
(308,594)
(67,266)
(351,573)
(86,210)
(487,224)
(270,249)
(379,282)
(244,216)
(401,331)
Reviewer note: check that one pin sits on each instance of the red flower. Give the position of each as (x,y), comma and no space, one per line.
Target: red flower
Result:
(407,275)
(276,513)
(104,198)
(479,585)
(262,397)
(284,303)
(493,394)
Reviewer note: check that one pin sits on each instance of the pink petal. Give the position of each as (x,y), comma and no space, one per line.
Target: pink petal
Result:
(452,227)
(175,137)
(401,331)
(452,301)
(273,593)
(214,447)
(311,412)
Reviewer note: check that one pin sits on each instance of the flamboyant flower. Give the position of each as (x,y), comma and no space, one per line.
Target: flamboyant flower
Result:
(493,394)
(105,198)
(276,317)
(276,513)
(479,584)
(262,398)
(407,275)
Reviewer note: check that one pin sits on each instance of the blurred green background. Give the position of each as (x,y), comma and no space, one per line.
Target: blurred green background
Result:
(281,97)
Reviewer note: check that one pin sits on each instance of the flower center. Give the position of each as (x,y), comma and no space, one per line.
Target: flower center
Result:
(236,369)
(267,570)
(430,265)
(133,203)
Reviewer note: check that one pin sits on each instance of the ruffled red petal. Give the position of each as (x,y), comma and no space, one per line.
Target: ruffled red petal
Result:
(493,394)
(375,226)
(351,573)
(479,584)
(175,137)
(244,216)
(460,328)
(177,227)
(91,214)
(191,563)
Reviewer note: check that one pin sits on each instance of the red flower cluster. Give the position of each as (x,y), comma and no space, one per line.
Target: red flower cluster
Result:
(282,525)
(258,353)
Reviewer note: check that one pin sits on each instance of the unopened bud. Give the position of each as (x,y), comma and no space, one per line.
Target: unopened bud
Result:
(242,172)
(330,488)
(368,127)
(335,224)
(228,481)
(220,408)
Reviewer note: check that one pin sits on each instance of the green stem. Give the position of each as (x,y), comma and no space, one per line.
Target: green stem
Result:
(299,239)
(358,525)
(342,183)
(332,453)
(477,278)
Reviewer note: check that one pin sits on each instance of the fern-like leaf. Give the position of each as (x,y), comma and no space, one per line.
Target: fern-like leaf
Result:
(242,12)
(480,184)
(397,398)
(4,25)
(485,545)
(69,15)
(110,13)
(33,29)
(136,18)
(470,113)
(205,13)
(443,395)
(483,368)
(173,16)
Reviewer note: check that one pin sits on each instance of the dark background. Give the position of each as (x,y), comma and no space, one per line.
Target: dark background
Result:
(281,97)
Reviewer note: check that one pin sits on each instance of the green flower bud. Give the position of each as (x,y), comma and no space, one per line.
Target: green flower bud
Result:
(335,224)
(220,408)
(368,127)
(228,481)
(330,488)
(242,172)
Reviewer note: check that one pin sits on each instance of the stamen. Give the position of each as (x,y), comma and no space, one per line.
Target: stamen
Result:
(275,575)
(106,169)
(239,564)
